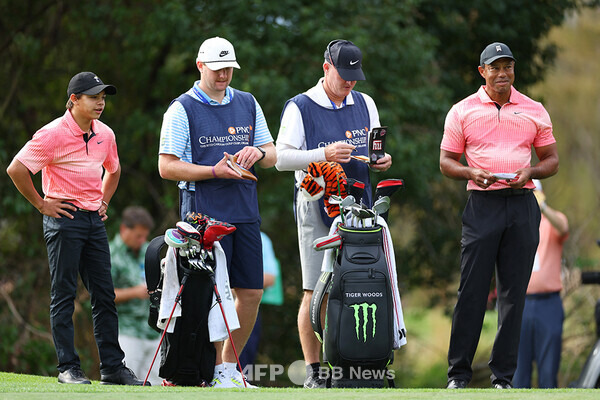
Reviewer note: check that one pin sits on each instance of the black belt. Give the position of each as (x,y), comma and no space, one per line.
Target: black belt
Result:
(539,296)
(504,192)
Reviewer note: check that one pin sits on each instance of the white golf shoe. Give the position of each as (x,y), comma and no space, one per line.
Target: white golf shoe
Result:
(220,381)
(237,379)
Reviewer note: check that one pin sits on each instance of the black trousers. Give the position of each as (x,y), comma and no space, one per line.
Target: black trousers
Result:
(500,231)
(80,246)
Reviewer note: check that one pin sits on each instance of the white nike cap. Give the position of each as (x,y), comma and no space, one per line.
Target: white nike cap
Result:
(217,53)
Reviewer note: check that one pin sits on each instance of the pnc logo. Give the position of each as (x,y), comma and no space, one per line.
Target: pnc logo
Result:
(349,134)
(231,130)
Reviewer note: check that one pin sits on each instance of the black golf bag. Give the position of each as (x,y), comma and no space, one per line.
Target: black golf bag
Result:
(187,355)
(359,326)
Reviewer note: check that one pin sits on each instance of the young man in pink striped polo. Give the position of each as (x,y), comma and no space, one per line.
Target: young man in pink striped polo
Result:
(73,152)
(495,128)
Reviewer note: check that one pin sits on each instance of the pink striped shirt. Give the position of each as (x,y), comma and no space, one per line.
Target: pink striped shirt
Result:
(546,274)
(498,140)
(69,170)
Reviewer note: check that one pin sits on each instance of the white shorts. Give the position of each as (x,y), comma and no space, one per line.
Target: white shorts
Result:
(310,227)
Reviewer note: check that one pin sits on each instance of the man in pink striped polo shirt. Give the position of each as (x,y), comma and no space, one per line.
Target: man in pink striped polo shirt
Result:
(73,152)
(495,129)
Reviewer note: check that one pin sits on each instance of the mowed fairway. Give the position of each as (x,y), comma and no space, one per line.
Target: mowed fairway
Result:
(15,386)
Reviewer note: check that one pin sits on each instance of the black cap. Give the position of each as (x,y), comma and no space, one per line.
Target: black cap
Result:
(346,58)
(88,83)
(493,52)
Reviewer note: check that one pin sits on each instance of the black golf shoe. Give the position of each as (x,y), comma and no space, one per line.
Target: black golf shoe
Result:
(73,375)
(123,376)
(457,384)
(501,385)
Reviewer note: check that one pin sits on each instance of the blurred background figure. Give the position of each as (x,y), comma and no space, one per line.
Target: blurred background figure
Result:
(541,330)
(127,250)
(273,295)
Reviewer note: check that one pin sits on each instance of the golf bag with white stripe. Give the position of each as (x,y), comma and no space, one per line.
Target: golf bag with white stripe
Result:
(359,326)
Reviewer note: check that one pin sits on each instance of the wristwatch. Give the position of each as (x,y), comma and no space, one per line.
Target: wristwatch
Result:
(264,153)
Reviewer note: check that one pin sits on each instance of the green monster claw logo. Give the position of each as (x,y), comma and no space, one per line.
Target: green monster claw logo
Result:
(365,307)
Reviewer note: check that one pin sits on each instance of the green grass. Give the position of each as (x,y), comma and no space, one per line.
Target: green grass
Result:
(16,386)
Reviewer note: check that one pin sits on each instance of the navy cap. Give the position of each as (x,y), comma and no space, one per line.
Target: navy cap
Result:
(88,83)
(493,52)
(346,57)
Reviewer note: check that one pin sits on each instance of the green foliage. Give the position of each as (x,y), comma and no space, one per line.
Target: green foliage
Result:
(419,58)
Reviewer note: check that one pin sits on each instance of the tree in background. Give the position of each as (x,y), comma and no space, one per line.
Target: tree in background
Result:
(419,57)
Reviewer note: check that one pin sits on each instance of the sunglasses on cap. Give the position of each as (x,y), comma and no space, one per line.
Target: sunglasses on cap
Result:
(329,49)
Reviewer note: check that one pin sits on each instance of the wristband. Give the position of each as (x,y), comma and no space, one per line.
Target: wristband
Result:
(213,172)
(105,203)
(264,153)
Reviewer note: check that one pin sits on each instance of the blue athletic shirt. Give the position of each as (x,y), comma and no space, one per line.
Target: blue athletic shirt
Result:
(175,130)
(323,126)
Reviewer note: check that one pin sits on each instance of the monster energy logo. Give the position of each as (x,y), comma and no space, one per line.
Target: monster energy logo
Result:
(364,307)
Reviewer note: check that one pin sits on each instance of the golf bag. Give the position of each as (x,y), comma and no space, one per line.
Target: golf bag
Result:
(187,355)
(359,327)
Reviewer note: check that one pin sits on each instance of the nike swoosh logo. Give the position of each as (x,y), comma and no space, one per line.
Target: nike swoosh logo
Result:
(353,62)
(518,112)
(100,142)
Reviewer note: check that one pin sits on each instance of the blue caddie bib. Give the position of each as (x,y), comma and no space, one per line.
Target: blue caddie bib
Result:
(214,130)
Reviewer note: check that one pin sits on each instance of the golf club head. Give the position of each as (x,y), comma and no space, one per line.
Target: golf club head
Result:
(355,188)
(382,205)
(197,220)
(215,231)
(188,231)
(362,213)
(174,238)
(348,201)
(327,242)
(199,265)
(388,187)
(335,199)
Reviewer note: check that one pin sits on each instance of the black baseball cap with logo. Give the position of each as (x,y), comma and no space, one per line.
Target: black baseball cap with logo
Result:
(346,57)
(88,83)
(493,52)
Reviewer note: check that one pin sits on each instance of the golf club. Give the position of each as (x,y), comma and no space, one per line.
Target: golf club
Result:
(388,187)
(381,206)
(356,189)
(174,238)
(327,242)
(215,231)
